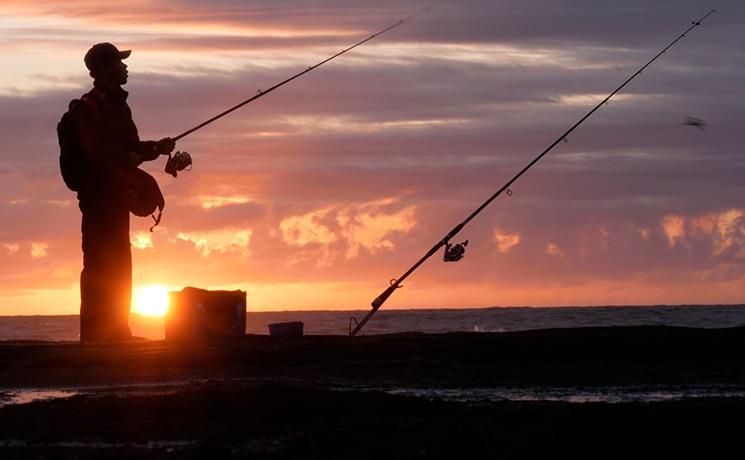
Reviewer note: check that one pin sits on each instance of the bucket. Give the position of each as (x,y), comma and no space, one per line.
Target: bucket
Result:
(289,329)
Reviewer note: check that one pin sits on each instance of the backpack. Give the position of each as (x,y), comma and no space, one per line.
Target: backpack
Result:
(70,158)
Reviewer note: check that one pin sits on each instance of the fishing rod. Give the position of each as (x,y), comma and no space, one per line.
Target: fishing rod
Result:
(454,253)
(263,93)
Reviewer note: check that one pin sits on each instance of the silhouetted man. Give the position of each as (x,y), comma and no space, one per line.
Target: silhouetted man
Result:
(110,147)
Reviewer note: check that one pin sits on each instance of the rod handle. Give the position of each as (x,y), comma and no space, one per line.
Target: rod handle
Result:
(379,300)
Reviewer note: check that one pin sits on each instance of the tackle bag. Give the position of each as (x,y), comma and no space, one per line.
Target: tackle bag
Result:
(143,196)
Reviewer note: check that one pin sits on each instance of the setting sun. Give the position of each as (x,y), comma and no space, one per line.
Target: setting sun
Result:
(150,300)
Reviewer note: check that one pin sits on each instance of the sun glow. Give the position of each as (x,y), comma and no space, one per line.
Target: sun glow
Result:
(150,300)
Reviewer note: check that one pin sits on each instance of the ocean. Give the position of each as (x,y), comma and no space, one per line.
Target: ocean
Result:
(498,319)
(501,319)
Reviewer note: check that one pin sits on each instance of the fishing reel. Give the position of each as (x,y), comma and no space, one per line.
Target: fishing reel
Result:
(178,162)
(454,252)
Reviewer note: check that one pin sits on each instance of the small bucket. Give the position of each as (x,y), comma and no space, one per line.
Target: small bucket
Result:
(290,329)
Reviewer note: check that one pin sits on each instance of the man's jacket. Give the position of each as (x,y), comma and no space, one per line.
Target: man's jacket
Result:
(107,134)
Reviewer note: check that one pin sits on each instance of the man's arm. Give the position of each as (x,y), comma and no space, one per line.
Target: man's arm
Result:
(151,150)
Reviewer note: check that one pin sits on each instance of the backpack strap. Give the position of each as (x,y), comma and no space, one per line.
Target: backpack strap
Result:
(90,100)
(96,99)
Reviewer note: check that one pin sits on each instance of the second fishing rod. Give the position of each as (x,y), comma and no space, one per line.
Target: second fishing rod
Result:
(453,253)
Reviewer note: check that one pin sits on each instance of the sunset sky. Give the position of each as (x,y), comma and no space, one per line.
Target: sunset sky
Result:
(315,196)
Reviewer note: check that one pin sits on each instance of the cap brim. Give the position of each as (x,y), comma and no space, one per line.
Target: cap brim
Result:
(124,54)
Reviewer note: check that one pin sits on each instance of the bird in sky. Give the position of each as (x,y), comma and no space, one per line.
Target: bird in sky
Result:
(697,122)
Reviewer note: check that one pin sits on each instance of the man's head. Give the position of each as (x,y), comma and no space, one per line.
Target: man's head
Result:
(104,61)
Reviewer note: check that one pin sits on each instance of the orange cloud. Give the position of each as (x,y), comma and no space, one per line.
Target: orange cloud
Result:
(506,241)
(39,249)
(306,229)
(674,229)
(724,229)
(142,240)
(645,233)
(224,240)
(553,249)
(369,226)
(208,202)
(366,226)
(12,248)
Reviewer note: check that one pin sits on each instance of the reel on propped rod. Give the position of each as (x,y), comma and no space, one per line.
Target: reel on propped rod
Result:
(454,252)
(178,162)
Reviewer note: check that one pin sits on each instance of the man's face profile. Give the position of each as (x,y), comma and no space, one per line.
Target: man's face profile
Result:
(116,72)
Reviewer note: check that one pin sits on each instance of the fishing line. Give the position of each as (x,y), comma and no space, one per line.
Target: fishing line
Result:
(263,93)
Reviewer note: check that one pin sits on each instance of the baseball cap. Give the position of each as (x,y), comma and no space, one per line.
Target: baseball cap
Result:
(104,52)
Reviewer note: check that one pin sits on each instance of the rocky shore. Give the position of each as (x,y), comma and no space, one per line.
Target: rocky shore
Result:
(374,396)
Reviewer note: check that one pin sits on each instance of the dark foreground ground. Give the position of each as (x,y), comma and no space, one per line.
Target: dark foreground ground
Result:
(328,397)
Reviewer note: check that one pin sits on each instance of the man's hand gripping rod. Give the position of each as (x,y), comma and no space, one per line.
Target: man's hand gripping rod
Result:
(396,283)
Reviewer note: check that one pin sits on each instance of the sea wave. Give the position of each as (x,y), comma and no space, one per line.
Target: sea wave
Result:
(497,319)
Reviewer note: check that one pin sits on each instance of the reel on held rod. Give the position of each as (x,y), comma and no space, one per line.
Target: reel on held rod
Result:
(178,162)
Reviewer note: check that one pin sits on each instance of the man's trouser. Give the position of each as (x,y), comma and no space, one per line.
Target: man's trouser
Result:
(106,279)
